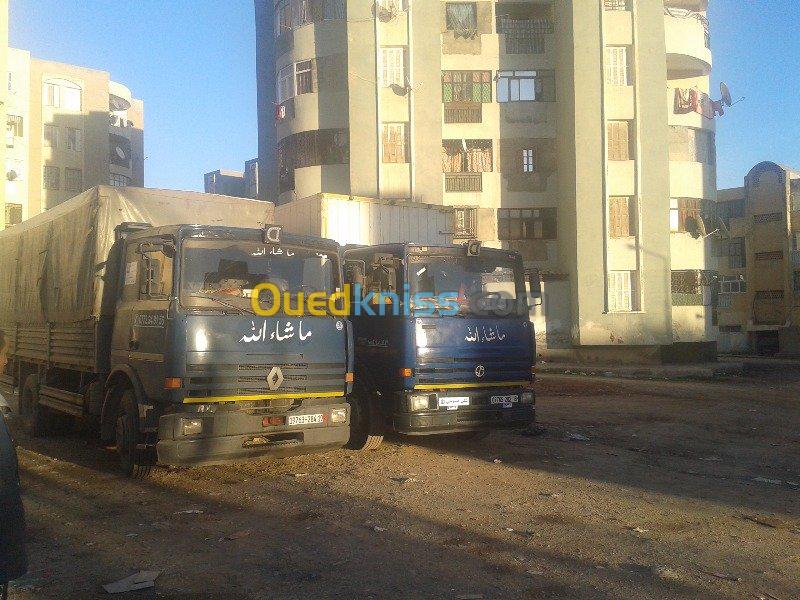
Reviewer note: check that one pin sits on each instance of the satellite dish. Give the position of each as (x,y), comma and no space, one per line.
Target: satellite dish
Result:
(726,94)
(12,175)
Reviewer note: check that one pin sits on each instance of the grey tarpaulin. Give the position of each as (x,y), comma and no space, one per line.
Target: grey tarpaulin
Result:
(52,266)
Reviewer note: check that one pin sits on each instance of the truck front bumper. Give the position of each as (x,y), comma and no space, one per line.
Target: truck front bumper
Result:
(479,415)
(231,435)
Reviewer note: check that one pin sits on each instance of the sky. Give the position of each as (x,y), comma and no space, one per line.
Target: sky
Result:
(193,64)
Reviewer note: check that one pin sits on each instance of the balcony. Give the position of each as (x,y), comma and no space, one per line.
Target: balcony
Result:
(688,42)
(463,112)
(463,182)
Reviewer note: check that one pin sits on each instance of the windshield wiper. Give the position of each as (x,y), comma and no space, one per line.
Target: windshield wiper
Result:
(239,309)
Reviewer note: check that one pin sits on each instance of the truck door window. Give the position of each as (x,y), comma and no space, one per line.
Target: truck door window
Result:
(155,270)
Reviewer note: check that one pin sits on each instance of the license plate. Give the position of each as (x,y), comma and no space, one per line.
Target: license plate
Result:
(505,401)
(453,402)
(303,419)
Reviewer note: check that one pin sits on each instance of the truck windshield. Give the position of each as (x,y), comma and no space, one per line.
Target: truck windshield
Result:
(478,285)
(222,274)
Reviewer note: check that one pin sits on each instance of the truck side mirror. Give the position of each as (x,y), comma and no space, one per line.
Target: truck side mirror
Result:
(535,286)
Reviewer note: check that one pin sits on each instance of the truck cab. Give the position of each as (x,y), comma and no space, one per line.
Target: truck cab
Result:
(196,373)
(443,340)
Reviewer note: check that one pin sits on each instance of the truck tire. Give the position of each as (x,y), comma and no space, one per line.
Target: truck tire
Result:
(366,427)
(39,420)
(133,462)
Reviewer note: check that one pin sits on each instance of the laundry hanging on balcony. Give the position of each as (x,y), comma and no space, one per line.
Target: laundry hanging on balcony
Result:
(692,100)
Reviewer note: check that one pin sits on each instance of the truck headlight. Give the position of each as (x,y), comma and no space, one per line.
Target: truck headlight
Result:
(526,398)
(419,402)
(191,426)
(339,415)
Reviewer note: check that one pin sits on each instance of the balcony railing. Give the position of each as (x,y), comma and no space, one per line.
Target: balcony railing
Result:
(466,112)
(463,182)
(524,36)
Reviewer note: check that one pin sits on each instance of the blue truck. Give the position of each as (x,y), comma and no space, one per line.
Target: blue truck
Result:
(120,313)
(443,340)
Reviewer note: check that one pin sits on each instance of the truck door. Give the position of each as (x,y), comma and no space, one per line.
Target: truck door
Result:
(140,329)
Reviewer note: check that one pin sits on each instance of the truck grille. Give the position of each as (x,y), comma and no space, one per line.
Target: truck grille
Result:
(434,367)
(250,379)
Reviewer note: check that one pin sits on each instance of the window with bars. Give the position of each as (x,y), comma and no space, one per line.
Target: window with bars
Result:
(50,137)
(618,72)
(394,141)
(73,180)
(527,224)
(74,139)
(466,86)
(736,254)
(526,86)
(768,218)
(465,222)
(622,291)
(467,156)
(14,126)
(51,178)
(392,67)
(621,216)
(461,18)
(285,83)
(620,140)
(528,163)
(772,255)
(13,214)
(119,180)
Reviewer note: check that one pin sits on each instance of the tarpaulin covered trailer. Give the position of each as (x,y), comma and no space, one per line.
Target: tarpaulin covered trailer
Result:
(53,266)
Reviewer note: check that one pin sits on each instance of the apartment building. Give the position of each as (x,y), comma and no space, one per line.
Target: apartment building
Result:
(3,97)
(68,128)
(759,262)
(580,134)
(241,184)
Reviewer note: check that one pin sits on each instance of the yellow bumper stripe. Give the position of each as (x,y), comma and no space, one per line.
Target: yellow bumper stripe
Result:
(461,386)
(212,399)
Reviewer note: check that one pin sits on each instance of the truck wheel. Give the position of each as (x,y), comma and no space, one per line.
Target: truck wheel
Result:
(366,429)
(134,463)
(39,420)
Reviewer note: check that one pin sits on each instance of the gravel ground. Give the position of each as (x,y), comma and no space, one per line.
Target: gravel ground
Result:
(636,490)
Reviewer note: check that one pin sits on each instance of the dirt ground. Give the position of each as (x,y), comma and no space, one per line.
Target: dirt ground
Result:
(636,490)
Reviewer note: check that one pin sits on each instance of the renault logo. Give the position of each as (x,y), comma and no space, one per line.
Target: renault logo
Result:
(275,378)
(480,371)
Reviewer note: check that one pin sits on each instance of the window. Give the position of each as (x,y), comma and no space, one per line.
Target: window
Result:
(524,27)
(13,214)
(692,145)
(61,93)
(621,217)
(774,255)
(50,136)
(768,218)
(622,291)
(335,10)
(617,67)
(74,139)
(301,13)
(528,164)
(155,272)
(685,215)
(119,180)
(392,68)
(283,17)
(465,220)
(522,86)
(394,143)
(527,224)
(724,301)
(462,18)
(73,180)
(732,284)
(466,156)
(14,126)
(466,86)
(303,78)
(285,83)
(736,254)
(615,4)
(619,140)
(52,178)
